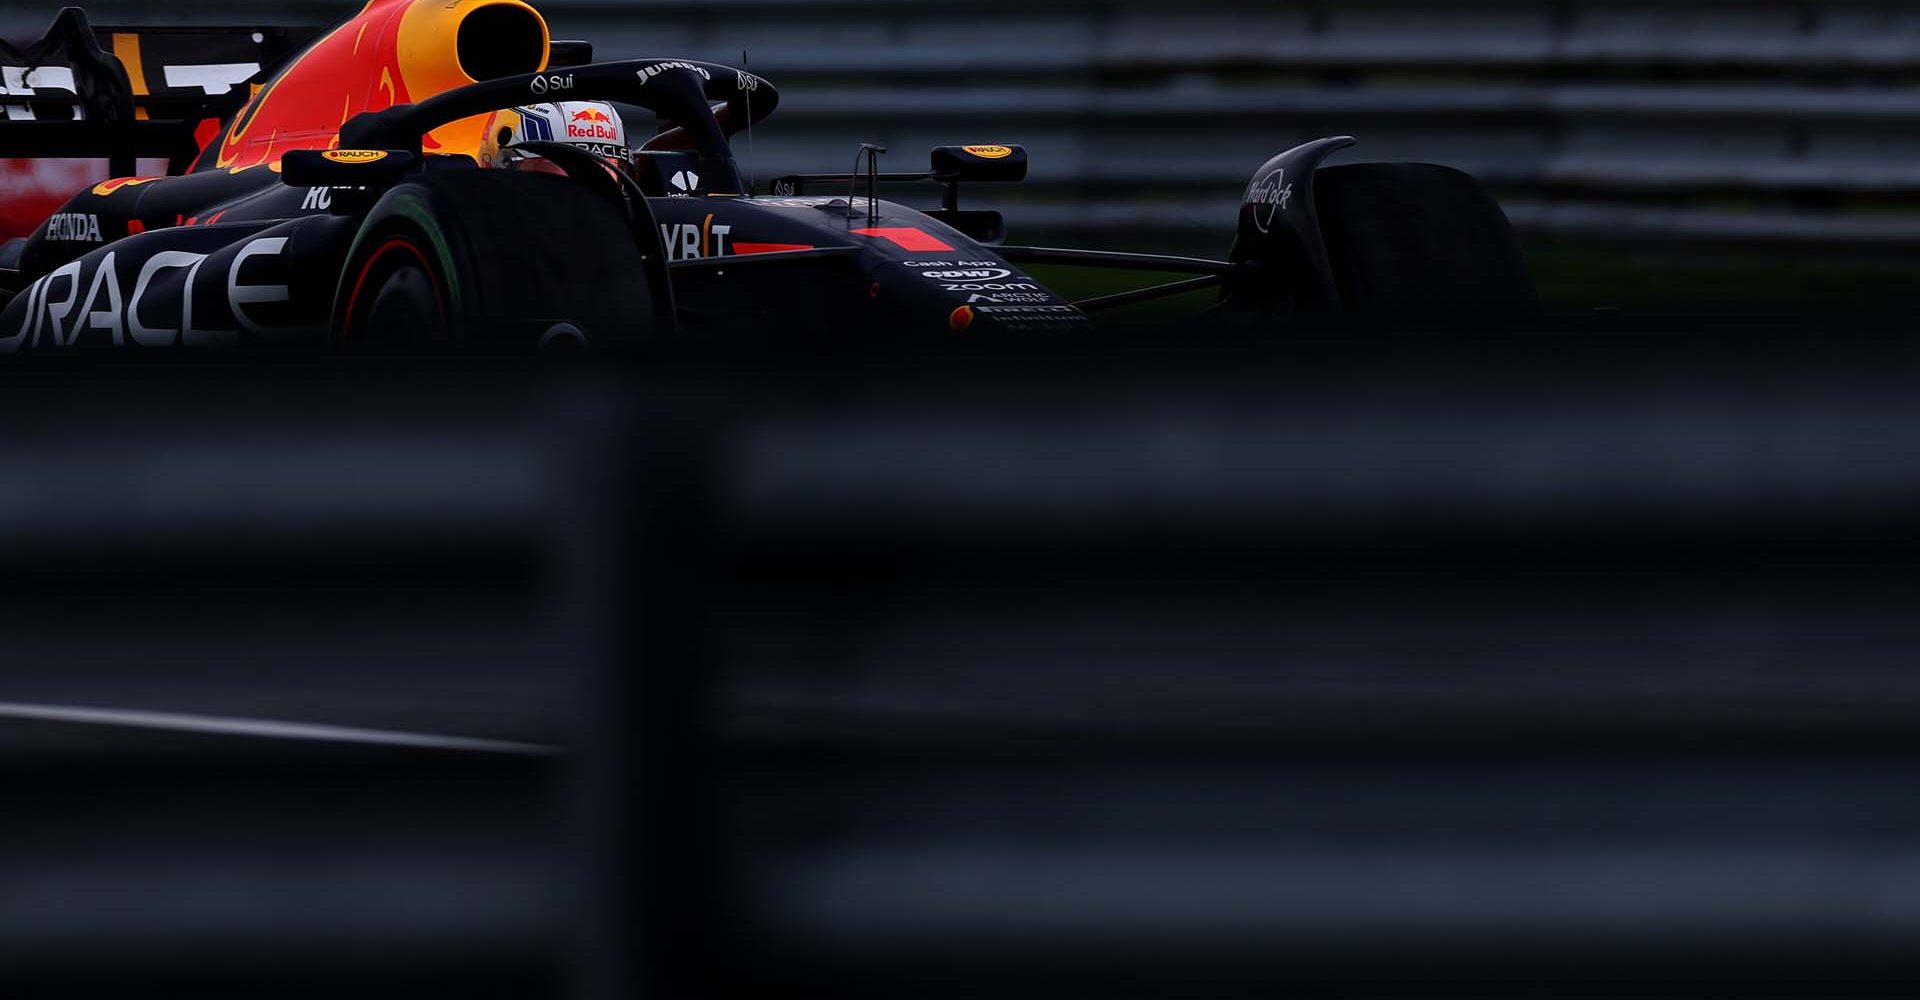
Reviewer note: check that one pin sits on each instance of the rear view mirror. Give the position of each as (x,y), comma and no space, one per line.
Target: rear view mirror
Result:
(1004,164)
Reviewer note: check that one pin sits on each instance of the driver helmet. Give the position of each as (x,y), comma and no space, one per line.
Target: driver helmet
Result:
(593,126)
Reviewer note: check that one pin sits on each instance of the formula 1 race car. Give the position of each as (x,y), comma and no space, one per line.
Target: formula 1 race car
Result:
(442,172)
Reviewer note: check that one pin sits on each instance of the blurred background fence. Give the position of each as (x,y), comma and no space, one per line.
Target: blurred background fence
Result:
(1187,671)
(1674,124)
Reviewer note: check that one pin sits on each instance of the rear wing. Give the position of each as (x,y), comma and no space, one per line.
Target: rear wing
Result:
(127,92)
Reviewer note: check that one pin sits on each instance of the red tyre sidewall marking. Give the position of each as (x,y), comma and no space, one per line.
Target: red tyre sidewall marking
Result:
(397,246)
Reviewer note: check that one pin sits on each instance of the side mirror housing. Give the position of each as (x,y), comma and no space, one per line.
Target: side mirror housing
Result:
(992,164)
(345,168)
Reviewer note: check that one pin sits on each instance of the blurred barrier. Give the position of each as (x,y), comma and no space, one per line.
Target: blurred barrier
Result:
(1372,672)
(1649,121)
(285,664)
(1353,665)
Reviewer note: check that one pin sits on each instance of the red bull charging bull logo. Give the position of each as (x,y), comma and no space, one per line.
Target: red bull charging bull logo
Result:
(593,124)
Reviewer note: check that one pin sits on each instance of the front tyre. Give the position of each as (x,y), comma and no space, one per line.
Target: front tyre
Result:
(1418,241)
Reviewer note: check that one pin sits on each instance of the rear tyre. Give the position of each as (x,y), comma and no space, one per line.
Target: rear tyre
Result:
(397,296)
(498,261)
(1414,240)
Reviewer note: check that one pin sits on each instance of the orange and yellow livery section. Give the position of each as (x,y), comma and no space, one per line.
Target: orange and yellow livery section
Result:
(392,52)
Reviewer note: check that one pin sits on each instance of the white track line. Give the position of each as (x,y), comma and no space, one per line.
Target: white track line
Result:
(211,725)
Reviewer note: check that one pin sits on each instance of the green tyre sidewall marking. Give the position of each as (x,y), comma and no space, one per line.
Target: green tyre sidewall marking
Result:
(411,205)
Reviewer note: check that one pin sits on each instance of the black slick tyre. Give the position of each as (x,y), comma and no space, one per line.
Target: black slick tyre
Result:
(1414,240)
(496,261)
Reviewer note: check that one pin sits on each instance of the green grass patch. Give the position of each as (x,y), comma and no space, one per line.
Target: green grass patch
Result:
(1722,279)
(1078,283)
(1575,276)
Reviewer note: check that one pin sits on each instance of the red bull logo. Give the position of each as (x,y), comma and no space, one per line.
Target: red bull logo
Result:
(594,125)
